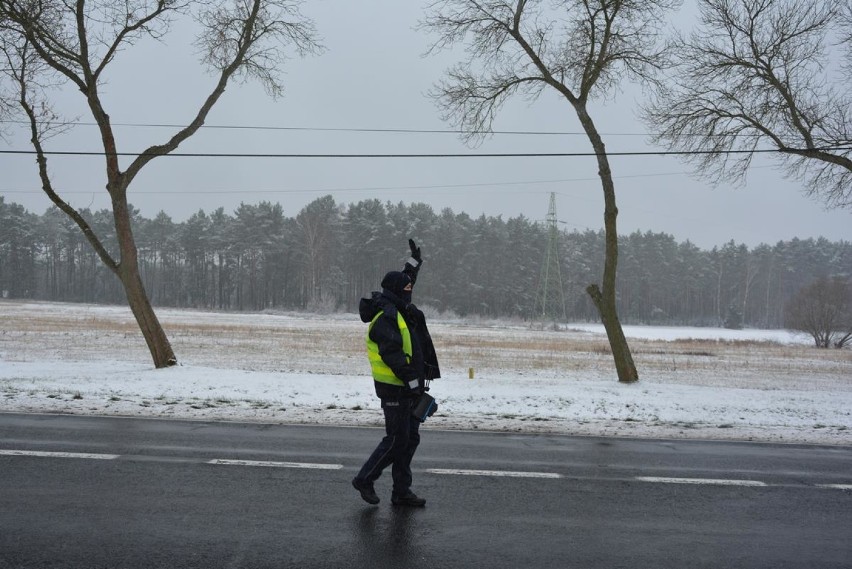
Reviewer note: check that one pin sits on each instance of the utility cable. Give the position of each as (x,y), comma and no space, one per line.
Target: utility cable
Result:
(393,156)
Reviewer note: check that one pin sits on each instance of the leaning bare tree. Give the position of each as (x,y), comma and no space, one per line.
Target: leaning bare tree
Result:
(764,75)
(51,43)
(582,49)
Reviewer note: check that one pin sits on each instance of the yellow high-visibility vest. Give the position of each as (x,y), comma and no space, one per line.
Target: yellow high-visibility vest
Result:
(381,371)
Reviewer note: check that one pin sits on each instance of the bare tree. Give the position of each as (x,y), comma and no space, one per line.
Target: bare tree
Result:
(582,49)
(764,75)
(53,43)
(824,311)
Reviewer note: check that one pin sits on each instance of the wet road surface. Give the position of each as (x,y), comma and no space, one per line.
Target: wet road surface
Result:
(109,492)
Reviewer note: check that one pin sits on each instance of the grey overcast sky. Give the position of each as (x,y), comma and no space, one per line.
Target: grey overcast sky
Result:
(374,76)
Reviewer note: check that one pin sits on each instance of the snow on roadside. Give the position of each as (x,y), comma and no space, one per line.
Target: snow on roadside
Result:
(586,407)
(305,368)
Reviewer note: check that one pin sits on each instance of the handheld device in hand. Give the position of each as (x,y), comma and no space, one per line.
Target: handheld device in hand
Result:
(424,408)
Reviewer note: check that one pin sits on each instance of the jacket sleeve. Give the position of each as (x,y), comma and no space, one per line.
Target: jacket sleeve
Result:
(385,333)
(430,358)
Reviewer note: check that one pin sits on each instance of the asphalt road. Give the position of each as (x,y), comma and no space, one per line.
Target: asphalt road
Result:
(90,492)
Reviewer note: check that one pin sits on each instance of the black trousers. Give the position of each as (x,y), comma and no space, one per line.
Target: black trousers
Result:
(397,448)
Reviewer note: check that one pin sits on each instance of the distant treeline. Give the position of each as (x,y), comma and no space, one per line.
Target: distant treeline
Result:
(330,254)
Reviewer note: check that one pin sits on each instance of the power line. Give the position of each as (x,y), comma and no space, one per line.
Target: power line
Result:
(394,156)
(320,190)
(409,131)
(368,188)
(340,129)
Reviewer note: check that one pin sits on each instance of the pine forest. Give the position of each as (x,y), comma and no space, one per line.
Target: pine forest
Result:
(330,254)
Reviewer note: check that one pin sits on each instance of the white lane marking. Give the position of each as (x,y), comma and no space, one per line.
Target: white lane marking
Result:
(493,473)
(275,464)
(58,454)
(449,471)
(711,481)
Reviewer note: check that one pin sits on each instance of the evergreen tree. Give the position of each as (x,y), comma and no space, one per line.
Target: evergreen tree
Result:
(261,258)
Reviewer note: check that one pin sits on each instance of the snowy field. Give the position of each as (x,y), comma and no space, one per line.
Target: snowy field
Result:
(302,368)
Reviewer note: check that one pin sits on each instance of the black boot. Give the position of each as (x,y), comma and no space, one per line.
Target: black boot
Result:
(409,499)
(368,493)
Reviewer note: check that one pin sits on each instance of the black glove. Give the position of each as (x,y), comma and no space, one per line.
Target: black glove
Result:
(415,252)
(412,265)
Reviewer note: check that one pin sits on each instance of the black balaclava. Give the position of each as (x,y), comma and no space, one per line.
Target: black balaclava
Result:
(395,282)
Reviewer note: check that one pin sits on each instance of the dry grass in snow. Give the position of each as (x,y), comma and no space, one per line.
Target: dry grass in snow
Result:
(305,368)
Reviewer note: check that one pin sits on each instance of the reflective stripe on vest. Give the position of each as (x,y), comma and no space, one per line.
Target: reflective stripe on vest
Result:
(381,371)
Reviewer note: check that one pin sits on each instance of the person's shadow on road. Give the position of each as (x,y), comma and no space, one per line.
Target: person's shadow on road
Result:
(389,537)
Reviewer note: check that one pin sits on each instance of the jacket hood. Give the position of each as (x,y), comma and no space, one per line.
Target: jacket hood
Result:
(368,308)
(378,301)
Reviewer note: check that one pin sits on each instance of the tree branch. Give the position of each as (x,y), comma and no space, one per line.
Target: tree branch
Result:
(750,75)
(41,158)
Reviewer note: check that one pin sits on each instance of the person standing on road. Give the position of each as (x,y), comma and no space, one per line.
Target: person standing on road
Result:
(403,360)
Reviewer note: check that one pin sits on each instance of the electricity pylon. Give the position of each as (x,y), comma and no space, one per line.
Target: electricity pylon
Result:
(550,296)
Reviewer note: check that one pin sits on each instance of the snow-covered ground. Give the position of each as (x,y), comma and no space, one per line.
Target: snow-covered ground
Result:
(302,368)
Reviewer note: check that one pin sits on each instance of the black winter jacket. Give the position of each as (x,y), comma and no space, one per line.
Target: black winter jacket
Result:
(385,333)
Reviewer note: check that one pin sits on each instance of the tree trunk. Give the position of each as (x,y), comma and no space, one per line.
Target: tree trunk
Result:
(604,296)
(624,366)
(128,273)
(149,324)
